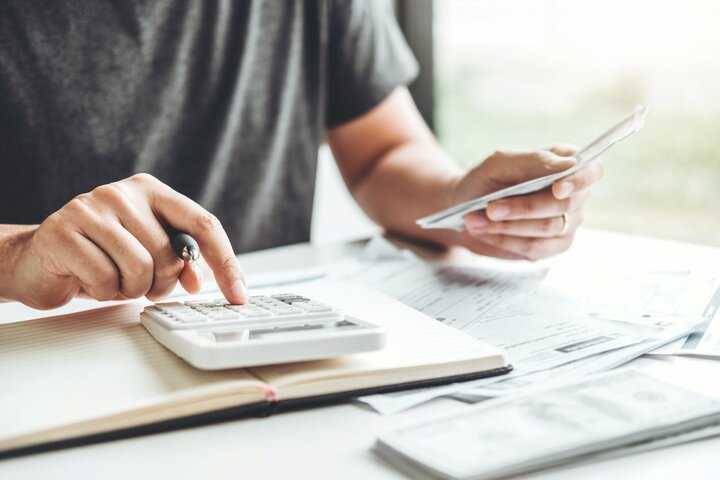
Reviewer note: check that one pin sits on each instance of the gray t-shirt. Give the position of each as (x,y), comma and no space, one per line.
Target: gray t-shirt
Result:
(226,101)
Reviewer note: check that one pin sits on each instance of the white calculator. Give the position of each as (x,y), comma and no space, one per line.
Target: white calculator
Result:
(213,335)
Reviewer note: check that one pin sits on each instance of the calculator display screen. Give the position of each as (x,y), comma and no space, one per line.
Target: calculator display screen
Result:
(285,331)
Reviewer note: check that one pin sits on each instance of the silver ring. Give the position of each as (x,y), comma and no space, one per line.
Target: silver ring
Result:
(566,223)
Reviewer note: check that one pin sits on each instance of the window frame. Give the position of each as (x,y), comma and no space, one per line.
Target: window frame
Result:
(416,21)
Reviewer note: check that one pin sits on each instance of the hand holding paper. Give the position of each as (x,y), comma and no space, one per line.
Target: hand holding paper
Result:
(531,226)
(522,217)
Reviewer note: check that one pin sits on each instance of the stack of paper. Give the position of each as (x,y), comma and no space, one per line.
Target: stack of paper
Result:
(551,331)
(613,414)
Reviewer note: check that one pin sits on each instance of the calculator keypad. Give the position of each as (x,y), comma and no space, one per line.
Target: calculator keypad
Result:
(259,309)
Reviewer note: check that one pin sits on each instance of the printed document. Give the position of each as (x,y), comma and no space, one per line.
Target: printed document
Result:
(547,332)
(538,329)
(703,343)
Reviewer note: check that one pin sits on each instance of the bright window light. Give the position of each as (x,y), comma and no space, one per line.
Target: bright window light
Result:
(527,73)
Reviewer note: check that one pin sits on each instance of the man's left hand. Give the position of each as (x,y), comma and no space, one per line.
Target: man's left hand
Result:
(531,226)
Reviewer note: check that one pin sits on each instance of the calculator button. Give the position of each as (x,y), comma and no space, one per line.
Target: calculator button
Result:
(314,307)
(178,316)
(279,307)
(176,309)
(284,313)
(259,298)
(191,319)
(172,306)
(270,301)
(260,309)
(267,306)
(158,311)
(291,299)
(206,304)
(249,311)
(223,314)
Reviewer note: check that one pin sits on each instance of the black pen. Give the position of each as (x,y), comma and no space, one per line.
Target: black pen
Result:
(184,246)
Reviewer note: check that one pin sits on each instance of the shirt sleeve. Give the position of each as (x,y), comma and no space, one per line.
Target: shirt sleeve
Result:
(368,58)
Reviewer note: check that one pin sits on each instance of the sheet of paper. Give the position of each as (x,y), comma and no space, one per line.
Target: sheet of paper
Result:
(554,426)
(453,216)
(513,383)
(706,341)
(541,327)
(538,331)
(658,298)
(571,371)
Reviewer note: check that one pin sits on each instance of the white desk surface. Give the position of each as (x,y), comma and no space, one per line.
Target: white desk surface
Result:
(334,442)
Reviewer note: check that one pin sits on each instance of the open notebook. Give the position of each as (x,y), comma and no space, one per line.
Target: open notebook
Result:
(72,379)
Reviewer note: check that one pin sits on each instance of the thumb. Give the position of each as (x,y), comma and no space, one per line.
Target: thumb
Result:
(509,168)
(191,277)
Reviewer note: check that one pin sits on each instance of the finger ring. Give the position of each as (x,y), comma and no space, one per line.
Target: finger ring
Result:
(565,224)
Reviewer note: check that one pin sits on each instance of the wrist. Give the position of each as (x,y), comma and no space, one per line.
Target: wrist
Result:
(473,184)
(453,190)
(14,239)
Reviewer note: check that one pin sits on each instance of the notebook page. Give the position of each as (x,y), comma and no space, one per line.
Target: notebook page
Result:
(61,370)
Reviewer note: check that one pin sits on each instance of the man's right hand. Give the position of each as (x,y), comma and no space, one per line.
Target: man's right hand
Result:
(111,244)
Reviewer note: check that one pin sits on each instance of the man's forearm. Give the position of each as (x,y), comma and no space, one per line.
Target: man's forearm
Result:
(12,237)
(398,173)
(410,181)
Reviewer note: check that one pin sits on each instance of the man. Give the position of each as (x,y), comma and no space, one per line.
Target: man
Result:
(120,119)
